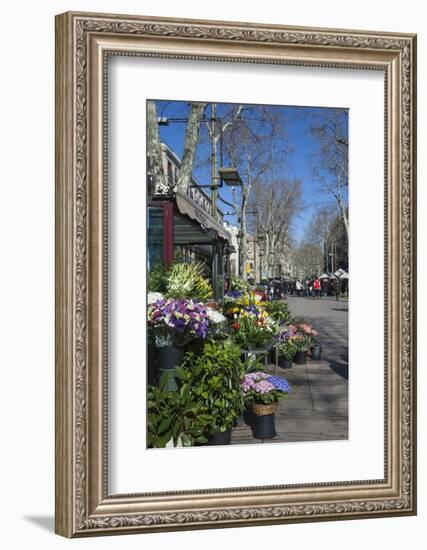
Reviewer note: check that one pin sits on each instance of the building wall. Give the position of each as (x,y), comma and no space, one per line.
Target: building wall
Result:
(171,166)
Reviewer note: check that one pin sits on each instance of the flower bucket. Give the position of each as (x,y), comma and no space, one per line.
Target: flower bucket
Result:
(316,352)
(300,357)
(220,438)
(170,357)
(284,363)
(264,427)
(272,356)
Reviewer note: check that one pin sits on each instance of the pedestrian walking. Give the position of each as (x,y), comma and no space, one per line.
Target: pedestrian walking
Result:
(316,287)
(325,287)
(285,289)
(337,288)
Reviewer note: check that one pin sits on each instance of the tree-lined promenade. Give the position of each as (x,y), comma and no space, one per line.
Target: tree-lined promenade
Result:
(289,197)
(247,205)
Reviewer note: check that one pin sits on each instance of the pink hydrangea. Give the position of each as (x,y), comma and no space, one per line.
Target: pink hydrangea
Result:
(263,387)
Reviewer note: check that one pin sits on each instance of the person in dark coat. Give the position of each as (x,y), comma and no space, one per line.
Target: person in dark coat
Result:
(337,288)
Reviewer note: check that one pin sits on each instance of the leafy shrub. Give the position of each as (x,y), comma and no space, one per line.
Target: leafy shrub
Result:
(175,416)
(212,379)
(158,278)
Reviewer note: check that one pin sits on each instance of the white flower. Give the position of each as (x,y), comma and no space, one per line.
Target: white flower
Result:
(153,297)
(214,316)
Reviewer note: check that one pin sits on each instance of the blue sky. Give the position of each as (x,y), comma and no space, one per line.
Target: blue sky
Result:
(300,146)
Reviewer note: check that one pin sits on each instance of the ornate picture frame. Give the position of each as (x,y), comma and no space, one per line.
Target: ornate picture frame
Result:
(83,44)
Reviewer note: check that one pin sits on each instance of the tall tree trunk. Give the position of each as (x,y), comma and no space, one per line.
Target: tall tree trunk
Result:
(157,173)
(243,233)
(344,216)
(190,145)
(268,254)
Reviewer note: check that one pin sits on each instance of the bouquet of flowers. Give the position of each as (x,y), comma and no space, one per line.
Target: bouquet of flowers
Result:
(305,330)
(301,342)
(232,295)
(217,321)
(188,281)
(278,311)
(260,387)
(251,330)
(285,345)
(236,283)
(177,322)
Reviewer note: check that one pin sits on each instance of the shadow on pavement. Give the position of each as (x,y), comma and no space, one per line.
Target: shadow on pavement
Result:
(339,368)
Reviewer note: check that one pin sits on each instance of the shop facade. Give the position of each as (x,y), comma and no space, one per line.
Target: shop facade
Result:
(180,227)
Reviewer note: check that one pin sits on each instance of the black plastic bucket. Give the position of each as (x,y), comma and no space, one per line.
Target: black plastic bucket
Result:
(284,363)
(220,438)
(300,357)
(316,352)
(264,427)
(170,357)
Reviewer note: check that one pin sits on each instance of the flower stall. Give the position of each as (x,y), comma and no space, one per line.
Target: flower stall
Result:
(205,351)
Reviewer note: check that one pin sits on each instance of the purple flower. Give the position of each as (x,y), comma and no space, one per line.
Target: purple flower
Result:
(180,316)
(251,379)
(264,386)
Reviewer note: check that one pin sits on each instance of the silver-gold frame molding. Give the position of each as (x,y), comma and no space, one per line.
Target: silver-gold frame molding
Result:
(83,43)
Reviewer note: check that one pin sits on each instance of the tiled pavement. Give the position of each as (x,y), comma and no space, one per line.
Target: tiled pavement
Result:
(317,408)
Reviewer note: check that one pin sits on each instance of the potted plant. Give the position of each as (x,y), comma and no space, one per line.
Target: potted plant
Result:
(301,343)
(286,349)
(187,280)
(212,379)
(278,311)
(250,332)
(174,419)
(174,324)
(306,329)
(263,391)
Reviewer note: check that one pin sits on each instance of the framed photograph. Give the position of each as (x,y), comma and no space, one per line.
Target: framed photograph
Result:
(235,274)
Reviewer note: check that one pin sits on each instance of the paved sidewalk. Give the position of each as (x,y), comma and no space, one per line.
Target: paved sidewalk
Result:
(330,318)
(317,408)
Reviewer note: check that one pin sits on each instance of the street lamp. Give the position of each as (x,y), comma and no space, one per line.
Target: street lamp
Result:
(230,176)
